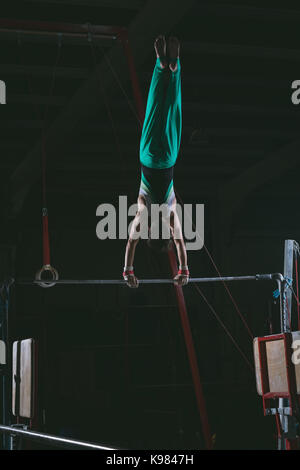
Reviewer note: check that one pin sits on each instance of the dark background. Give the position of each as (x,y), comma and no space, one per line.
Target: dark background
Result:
(113,363)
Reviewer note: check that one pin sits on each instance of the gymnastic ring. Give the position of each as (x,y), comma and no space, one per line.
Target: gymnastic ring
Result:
(48,268)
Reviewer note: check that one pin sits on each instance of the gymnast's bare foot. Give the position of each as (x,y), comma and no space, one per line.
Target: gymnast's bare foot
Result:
(174,48)
(161,50)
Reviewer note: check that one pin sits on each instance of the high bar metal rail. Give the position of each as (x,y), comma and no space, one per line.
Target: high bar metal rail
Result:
(255,277)
(54,440)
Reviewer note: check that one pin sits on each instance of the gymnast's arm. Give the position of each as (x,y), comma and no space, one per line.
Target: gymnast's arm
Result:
(128,273)
(182,277)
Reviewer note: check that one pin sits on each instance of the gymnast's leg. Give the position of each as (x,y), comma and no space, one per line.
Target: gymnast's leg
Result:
(151,143)
(172,119)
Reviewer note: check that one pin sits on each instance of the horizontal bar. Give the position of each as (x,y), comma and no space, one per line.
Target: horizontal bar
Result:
(54,440)
(256,277)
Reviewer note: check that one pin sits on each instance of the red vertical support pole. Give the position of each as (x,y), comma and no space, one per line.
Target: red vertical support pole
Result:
(173,265)
(201,405)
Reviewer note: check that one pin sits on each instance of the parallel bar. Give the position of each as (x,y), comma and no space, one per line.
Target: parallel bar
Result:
(54,440)
(256,277)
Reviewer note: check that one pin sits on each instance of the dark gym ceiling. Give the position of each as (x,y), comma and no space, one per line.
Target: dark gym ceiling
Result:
(240,129)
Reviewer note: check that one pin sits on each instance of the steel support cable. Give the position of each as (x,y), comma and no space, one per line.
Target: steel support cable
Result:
(223,282)
(30,89)
(224,327)
(44,140)
(105,100)
(114,73)
(230,295)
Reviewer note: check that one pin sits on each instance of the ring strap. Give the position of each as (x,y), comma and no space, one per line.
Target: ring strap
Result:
(46,244)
